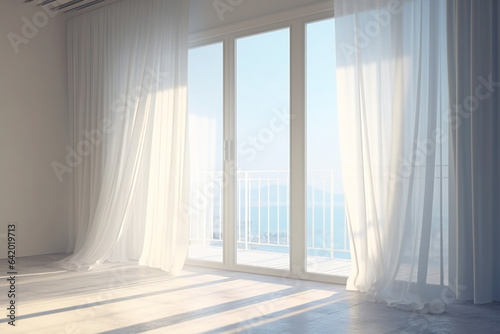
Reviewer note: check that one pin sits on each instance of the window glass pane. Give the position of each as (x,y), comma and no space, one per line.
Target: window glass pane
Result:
(327,234)
(205,108)
(263,149)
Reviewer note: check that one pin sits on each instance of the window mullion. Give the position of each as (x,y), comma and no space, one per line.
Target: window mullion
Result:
(298,255)
(230,178)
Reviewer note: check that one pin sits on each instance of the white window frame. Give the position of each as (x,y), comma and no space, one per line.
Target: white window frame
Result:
(296,20)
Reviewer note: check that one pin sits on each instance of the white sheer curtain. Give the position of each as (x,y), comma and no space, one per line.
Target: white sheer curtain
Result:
(474,41)
(127,65)
(391,73)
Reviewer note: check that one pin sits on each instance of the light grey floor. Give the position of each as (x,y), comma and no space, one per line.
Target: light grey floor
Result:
(125,298)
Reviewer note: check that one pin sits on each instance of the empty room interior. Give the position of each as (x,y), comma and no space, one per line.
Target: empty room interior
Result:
(250,166)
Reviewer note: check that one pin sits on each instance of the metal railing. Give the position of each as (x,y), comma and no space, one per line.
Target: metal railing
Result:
(262,210)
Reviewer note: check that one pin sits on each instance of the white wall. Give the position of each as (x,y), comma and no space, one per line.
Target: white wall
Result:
(206,14)
(34,130)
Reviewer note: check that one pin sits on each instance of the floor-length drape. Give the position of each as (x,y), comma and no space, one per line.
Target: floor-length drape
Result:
(127,82)
(390,77)
(474,71)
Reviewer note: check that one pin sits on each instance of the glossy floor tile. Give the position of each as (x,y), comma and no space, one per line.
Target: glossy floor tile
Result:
(126,298)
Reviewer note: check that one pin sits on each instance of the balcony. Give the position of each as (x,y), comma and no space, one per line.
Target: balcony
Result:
(263,221)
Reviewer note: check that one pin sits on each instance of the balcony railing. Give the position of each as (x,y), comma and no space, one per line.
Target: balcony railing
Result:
(263,219)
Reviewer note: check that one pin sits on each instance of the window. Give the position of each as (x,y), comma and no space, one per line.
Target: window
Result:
(205,107)
(263,145)
(327,237)
(246,94)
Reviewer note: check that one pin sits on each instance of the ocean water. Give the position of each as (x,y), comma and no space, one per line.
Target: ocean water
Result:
(263,219)
(271,224)
(263,223)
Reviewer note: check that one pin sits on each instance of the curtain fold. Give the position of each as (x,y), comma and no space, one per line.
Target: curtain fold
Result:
(391,72)
(473,43)
(128,66)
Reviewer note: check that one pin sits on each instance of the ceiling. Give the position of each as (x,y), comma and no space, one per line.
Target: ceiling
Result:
(69,6)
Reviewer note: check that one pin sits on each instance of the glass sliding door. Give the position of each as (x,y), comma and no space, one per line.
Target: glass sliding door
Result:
(263,149)
(239,113)
(327,235)
(205,108)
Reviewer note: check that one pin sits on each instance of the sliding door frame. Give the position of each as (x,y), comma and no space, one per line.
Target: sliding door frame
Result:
(295,20)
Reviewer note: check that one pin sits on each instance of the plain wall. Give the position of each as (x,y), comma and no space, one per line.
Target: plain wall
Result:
(34,131)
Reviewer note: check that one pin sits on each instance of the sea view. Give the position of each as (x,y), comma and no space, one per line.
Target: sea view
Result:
(263,219)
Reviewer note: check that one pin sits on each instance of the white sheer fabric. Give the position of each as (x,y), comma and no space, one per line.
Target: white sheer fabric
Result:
(128,64)
(390,76)
(474,40)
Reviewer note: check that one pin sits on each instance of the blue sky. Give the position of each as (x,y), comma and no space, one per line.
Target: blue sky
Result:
(263,81)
